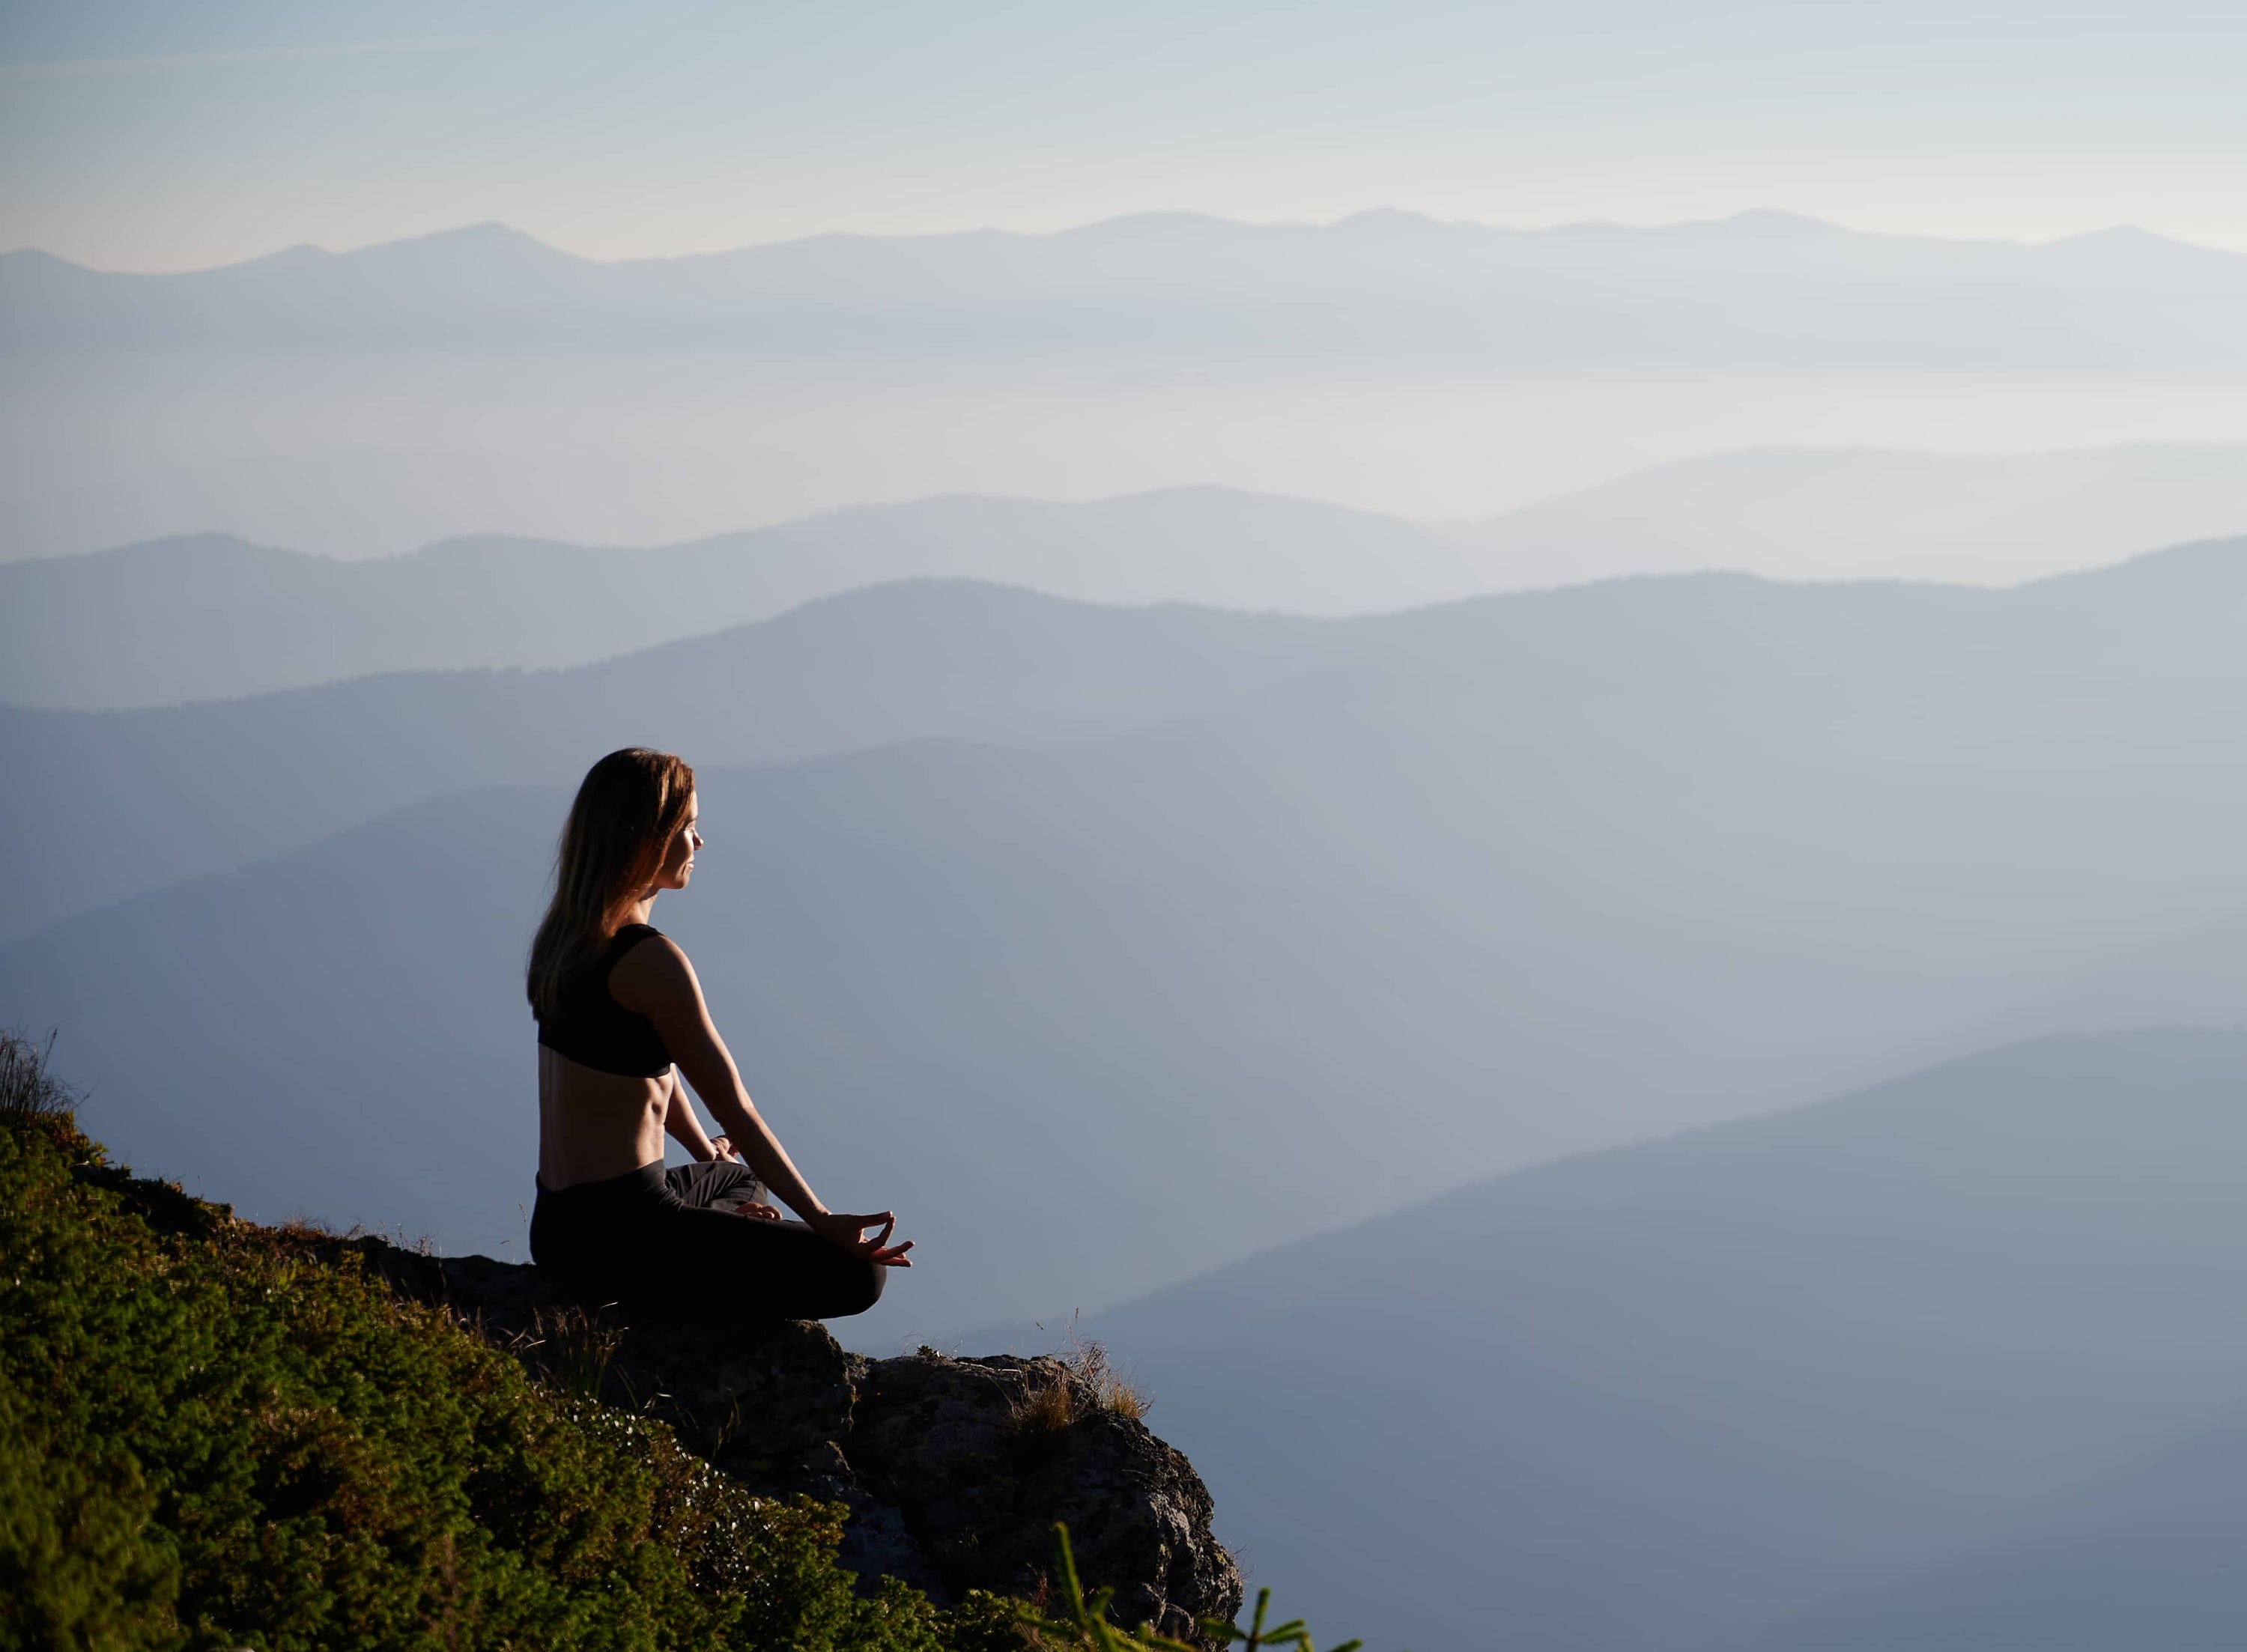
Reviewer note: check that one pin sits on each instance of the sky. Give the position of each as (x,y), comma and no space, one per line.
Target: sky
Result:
(191,132)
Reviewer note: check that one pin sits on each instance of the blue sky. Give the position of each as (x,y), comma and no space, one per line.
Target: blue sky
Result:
(167,136)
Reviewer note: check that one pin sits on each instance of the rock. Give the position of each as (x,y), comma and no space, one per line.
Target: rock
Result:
(980,1474)
(954,1469)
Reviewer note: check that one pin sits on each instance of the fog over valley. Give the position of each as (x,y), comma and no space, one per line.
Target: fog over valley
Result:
(477,382)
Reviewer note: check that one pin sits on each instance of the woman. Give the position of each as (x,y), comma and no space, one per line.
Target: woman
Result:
(620,1017)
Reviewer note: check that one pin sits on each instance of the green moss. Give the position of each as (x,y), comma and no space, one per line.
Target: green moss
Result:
(210,1439)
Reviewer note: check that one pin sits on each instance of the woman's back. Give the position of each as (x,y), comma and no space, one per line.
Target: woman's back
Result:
(605,1076)
(592,1029)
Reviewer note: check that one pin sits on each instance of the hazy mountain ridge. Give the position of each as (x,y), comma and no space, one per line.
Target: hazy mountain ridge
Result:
(2144,1558)
(210,617)
(473,381)
(194,788)
(207,618)
(1762,287)
(1868,1368)
(190,789)
(1863,514)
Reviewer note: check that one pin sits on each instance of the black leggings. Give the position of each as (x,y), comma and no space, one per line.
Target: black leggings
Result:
(668,1240)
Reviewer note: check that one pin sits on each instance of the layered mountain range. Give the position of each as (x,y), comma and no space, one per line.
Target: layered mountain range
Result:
(211,616)
(1379,286)
(1228,927)
(474,383)
(1951,1364)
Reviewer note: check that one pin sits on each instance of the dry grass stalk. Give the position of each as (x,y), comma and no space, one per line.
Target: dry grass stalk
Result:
(1087,1381)
(1048,1408)
(27,1089)
(568,1349)
(1098,1382)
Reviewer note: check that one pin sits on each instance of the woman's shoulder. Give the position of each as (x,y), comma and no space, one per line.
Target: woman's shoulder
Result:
(644,960)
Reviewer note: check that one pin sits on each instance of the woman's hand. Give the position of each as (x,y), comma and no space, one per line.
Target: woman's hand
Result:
(849,1233)
(722,1148)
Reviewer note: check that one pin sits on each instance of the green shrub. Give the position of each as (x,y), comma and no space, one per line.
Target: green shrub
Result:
(207,1440)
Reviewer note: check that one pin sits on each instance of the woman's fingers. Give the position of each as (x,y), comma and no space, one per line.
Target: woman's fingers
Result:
(858,1224)
(849,1231)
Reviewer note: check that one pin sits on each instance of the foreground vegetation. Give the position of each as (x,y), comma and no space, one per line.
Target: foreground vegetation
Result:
(210,1439)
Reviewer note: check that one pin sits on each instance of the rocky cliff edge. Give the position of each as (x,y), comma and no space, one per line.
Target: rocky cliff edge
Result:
(954,1471)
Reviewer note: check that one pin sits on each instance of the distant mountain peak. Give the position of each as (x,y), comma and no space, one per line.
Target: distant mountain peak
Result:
(2127,244)
(1398,218)
(1773,220)
(2119,234)
(488,240)
(490,232)
(1132,224)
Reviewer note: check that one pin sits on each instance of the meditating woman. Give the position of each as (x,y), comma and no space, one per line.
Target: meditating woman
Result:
(620,1017)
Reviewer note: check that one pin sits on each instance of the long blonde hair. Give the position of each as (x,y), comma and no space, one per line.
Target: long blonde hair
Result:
(629,807)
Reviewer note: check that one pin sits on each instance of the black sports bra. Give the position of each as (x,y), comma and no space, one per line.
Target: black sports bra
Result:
(592,1029)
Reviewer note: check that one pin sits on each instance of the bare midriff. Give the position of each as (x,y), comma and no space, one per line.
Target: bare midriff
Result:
(594,1126)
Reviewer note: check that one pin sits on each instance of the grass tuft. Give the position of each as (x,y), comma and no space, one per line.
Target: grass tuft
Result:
(1086,1383)
(570,1350)
(1048,1408)
(1103,1385)
(28,1088)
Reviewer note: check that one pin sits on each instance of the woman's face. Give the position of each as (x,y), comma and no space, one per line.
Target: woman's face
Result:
(679,858)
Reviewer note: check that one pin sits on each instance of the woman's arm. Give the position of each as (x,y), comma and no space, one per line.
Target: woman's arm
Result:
(680,1122)
(655,979)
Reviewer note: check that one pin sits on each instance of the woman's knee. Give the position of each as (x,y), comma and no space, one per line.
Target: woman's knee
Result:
(859,1287)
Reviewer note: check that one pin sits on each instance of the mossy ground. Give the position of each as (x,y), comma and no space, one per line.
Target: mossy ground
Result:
(210,1438)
